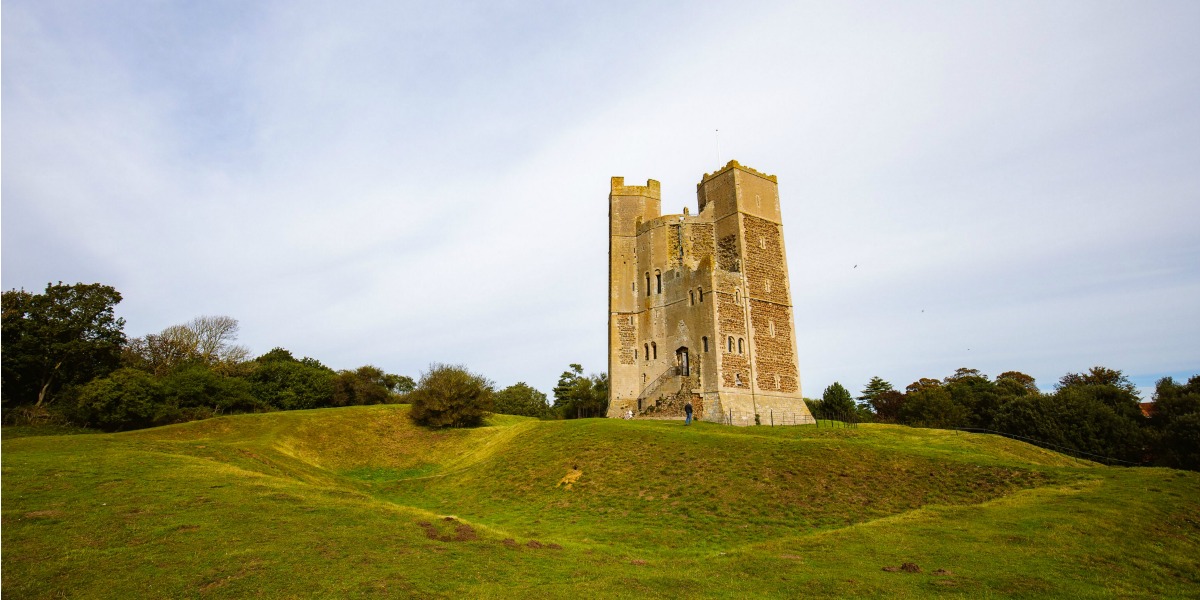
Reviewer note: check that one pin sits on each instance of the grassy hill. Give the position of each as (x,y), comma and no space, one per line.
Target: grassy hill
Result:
(357,502)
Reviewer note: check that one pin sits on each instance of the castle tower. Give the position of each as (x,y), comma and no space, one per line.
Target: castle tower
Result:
(700,306)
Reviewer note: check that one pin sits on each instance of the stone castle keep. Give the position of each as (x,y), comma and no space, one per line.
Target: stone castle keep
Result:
(700,306)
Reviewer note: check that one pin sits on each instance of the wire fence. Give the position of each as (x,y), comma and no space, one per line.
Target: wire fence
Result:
(773,418)
(1075,452)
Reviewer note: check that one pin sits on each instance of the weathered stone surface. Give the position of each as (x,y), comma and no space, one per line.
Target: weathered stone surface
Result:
(699,305)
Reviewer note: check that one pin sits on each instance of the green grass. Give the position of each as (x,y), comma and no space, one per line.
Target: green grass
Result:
(357,502)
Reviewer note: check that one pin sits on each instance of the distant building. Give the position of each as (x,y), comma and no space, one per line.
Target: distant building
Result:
(1147,409)
(700,306)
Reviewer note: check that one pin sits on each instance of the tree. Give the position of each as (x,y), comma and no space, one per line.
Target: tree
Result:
(68,335)
(278,380)
(1098,376)
(366,385)
(836,402)
(933,406)
(125,399)
(451,396)
(1016,383)
(208,340)
(577,396)
(521,399)
(1176,417)
(887,405)
(875,387)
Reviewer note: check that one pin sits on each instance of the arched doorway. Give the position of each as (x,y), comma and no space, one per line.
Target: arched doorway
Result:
(682,361)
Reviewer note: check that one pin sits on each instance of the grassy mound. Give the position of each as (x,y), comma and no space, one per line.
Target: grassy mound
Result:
(358,502)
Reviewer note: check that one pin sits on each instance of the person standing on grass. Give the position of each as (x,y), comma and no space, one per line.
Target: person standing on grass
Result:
(687,411)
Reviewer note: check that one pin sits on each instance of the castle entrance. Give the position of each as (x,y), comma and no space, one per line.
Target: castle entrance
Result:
(681,361)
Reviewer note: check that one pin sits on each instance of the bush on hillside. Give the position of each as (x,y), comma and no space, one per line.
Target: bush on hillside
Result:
(521,399)
(451,396)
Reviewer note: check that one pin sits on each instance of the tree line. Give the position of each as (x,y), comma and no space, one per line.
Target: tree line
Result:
(1097,413)
(67,360)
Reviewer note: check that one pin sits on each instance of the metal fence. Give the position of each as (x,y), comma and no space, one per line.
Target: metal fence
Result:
(773,418)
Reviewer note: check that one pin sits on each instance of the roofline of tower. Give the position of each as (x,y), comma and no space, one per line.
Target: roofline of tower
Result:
(735,164)
(652,189)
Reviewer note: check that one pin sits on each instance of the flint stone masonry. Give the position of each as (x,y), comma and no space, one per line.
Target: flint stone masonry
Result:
(680,286)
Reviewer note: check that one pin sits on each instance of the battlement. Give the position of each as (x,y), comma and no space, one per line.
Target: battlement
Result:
(652,189)
(733,164)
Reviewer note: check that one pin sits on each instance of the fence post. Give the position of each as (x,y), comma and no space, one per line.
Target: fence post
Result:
(772,417)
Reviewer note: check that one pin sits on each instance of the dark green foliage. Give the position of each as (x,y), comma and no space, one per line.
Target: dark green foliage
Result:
(875,387)
(1016,383)
(815,407)
(933,406)
(125,399)
(364,386)
(887,405)
(1176,420)
(280,381)
(66,336)
(577,396)
(198,387)
(836,402)
(521,399)
(451,396)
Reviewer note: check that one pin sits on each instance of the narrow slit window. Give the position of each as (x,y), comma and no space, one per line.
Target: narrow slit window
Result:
(740,350)
(737,296)
(701,290)
(704,343)
(647,283)
(654,349)
(646,347)
(658,278)
(731,344)
(692,298)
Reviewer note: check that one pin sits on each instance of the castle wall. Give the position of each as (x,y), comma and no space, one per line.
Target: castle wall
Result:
(700,306)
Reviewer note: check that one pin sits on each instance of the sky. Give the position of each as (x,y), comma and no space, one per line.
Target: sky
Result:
(997,185)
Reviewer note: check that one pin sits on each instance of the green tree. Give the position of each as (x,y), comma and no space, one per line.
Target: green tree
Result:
(887,405)
(874,387)
(521,399)
(125,399)
(66,336)
(199,392)
(451,396)
(365,385)
(578,396)
(280,381)
(1016,383)
(836,402)
(933,406)
(1176,419)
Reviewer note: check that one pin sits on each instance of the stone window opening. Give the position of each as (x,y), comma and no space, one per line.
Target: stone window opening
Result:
(646,347)
(647,283)
(692,297)
(737,379)
(701,291)
(704,343)
(740,351)
(682,361)
(654,349)
(658,277)
(730,344)
(635,354)
(771,327)
(767,286)
(737,297)
(762,242)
